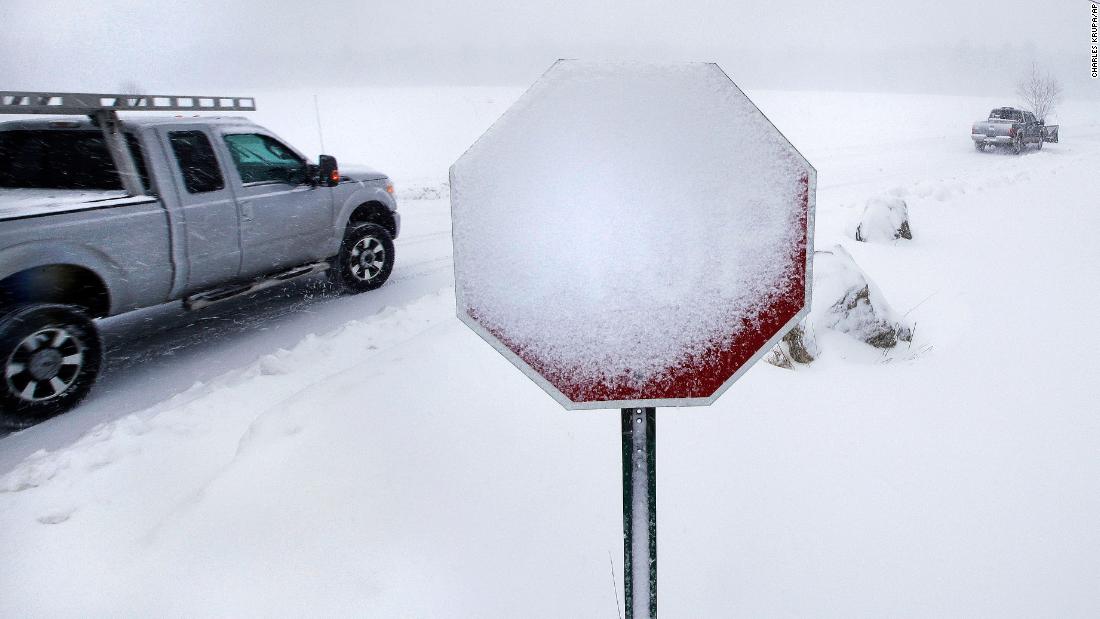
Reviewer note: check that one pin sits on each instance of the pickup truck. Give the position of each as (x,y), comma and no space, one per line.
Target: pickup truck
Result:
(1012,128)
(225,208)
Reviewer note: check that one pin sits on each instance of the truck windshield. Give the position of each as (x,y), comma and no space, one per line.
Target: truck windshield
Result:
(62,159)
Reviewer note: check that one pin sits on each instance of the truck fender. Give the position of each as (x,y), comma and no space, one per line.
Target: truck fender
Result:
(49,253)
(364,194)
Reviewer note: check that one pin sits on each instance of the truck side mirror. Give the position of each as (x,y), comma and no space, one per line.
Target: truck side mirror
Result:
(329,172)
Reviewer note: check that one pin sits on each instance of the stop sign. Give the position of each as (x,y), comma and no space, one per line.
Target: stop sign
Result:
(632,235)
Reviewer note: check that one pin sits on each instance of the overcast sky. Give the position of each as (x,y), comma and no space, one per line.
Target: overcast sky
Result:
(165,46)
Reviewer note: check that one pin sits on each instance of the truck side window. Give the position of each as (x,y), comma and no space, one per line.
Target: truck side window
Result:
(63,159)
(263,159)
(196,160)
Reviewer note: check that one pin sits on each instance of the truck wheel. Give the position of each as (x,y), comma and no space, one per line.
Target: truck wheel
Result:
(978,146)
(1018,145)
(1039,145)
(365,260)
(50,356)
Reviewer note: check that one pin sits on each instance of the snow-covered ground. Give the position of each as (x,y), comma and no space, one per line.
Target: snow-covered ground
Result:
(302,454)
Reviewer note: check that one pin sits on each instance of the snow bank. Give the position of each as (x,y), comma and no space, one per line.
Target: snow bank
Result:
(242,394)
(346,475)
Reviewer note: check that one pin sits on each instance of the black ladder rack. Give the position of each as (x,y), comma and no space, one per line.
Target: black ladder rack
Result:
(89,103)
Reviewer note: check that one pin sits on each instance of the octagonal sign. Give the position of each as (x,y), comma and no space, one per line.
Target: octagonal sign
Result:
(632,235)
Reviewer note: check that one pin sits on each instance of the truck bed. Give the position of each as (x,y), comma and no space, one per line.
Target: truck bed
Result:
(123,241)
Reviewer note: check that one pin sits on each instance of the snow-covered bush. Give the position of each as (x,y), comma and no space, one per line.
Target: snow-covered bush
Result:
(800,345)
(846,300)
(779,358)
(797,346)
(883,220)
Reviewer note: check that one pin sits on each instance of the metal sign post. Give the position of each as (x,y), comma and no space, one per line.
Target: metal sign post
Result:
(640,511)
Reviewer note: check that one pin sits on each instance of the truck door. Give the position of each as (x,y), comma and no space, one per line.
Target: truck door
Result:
(207,205)
(286,220)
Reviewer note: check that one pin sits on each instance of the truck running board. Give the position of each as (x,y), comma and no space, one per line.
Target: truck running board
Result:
(207,298)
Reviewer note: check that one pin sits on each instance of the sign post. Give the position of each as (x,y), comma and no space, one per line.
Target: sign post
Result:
(633,236)
(640,511)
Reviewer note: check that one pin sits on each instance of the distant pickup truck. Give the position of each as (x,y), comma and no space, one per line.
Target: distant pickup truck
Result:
(1012,128)
(102,216)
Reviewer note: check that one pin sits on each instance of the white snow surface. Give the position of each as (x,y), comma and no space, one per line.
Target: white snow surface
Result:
(593,221)
(304,455)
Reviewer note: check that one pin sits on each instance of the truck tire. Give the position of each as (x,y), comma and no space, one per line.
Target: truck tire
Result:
(1018,144)
(978,146)
(365,260)
(50,356)
(1039,144)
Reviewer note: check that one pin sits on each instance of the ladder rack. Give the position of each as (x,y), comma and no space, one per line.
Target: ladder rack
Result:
(103,109)
(89,103)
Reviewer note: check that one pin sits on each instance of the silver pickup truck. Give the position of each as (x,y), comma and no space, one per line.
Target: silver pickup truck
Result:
(220,207)
(1012,128)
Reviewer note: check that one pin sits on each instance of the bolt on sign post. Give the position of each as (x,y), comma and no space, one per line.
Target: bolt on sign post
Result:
(633,236)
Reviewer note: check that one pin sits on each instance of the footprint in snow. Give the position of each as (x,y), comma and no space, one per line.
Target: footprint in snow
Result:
(56,516)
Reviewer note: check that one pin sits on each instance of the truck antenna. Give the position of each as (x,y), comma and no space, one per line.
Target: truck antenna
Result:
(320,133)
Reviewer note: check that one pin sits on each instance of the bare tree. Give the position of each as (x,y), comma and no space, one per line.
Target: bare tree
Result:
(1041,92)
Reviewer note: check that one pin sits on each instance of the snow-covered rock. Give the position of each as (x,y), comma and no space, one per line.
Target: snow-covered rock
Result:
(846,300)
(883,220)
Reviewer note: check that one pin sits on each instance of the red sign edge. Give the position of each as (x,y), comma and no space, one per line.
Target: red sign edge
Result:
(568,404)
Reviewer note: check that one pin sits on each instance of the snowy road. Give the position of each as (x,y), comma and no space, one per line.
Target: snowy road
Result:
(341,460)
(156,353)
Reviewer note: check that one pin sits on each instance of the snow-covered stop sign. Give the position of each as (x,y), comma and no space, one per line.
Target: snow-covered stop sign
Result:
(632,235)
